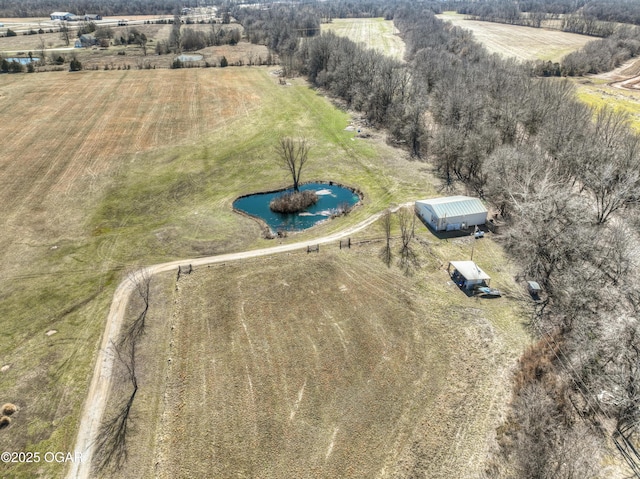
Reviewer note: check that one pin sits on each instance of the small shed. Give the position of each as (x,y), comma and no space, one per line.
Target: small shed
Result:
(452,212)
(467,274)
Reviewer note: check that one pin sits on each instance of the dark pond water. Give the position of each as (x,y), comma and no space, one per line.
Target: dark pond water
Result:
(330,198)
(24,61)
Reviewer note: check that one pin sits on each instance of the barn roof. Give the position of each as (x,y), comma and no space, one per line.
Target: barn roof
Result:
(469,270)
(450,206)
(60,14)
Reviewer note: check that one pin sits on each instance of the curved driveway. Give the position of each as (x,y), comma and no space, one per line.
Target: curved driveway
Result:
(98,390)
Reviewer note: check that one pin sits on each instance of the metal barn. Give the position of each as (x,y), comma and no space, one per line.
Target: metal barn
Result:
(452,212)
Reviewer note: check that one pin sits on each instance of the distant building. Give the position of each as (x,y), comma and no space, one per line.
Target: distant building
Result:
(452,212)
(86,41)
(66,16)
(90,17)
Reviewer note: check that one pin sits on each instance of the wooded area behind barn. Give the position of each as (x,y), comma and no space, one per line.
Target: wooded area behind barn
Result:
(565,180)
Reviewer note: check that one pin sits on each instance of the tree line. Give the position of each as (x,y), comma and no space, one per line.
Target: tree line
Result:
(593,17)
(43,8)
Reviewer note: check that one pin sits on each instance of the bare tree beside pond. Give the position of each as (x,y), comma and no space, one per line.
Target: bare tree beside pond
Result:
(293,157)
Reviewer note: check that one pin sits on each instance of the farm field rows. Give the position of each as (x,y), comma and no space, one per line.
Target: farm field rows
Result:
(324,365)
(376,33)
(523,43)
(107,171)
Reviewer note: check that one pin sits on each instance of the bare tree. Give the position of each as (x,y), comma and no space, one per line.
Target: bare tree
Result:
(111,442)
(407,224)
(65,33)
(386,226)
(293,157)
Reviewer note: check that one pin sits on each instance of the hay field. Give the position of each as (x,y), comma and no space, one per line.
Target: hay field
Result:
(325,365)
(523,43)
(104,171)
(376,33)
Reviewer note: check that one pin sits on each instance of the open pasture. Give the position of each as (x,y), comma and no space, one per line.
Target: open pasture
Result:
(523,43)
(104,171)
(375,33)
(324,365)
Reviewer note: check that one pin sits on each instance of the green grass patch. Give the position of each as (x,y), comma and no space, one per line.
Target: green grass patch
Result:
(598,94)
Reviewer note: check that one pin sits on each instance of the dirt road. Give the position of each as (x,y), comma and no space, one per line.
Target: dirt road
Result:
(99,389)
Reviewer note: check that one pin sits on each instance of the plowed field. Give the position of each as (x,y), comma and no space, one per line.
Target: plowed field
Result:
(523,43)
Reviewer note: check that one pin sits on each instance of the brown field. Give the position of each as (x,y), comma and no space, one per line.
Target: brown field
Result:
(376,33)
(324,365)
(523,43)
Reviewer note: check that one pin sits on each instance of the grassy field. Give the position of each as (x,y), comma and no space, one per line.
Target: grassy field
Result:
(598,93)
(376,33)
(325,365)
(105,171)
(523,43)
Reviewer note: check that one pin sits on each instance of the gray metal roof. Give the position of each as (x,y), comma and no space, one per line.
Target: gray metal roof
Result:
(469,270)
(452,206)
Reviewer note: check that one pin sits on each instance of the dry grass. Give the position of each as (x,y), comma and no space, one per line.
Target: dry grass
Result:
(523,43)
(325,365)
(376,33)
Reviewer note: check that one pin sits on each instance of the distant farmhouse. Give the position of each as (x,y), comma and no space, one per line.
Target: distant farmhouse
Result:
(66,16)
(90,17)
(452,212)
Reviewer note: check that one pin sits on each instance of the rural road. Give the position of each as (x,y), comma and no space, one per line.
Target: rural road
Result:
(96,400)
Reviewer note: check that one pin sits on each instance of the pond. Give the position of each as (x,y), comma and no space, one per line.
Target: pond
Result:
(196,57)
(331,198)
(24,61)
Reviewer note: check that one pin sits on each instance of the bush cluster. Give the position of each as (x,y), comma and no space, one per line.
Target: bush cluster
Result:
(293,202)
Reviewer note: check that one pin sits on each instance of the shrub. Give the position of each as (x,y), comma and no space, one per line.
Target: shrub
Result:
(8,409)
(75,65)
(11,33)
(224,62)
(293,202)
(4,421)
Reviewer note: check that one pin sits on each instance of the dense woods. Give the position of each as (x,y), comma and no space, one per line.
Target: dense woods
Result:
(564,180)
